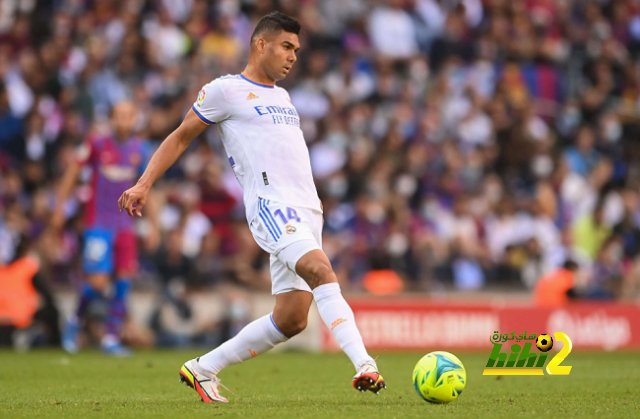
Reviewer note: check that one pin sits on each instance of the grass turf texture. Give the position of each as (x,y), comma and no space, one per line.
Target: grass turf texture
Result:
(46,384)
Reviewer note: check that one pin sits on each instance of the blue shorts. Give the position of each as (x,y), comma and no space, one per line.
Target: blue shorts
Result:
(106,251)
(97,256)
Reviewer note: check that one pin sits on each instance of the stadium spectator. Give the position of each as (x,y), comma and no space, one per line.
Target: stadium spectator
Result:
(472,143)
(558,287)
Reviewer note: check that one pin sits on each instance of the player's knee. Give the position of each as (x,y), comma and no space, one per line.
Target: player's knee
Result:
(316,269)
(99,282)
(293,326)
(320,273)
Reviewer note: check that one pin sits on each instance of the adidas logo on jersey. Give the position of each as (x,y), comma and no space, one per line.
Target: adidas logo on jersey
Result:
(252,96)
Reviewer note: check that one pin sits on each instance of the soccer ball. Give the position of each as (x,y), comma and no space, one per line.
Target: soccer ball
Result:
(439,377)
(544,343)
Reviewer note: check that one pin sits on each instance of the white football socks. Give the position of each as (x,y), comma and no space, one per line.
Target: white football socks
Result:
(338,317)
(256,338)
(261,335)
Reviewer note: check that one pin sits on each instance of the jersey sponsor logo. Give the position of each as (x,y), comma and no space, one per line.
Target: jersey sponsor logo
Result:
(280,115)
(201,96)
(269,110)
(252,96)
(116,173)
(253,353)
(290,229)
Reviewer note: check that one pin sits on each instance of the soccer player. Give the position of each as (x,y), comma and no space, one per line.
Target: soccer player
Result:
(110,244)
(266,149)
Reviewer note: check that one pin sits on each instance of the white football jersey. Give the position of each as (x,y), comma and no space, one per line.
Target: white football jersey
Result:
(262,137)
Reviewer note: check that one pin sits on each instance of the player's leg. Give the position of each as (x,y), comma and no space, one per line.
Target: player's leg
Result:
(292,311)
(316,269)
(336,314)
(97,266)
(313,265)
(92,291)
(297,233)
(126,262)
(287,320)
(313,271)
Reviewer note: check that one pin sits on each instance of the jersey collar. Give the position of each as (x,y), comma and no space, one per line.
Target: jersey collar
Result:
(257,84)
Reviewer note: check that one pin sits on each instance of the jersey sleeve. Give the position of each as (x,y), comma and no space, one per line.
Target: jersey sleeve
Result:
(211,106)
(287,95)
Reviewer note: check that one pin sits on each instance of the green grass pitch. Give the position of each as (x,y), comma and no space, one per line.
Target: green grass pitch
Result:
(44,384)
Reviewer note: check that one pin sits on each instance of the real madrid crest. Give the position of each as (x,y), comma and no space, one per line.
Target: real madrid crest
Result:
(290,229)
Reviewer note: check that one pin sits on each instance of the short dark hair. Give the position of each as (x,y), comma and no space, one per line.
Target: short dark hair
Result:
(276,22)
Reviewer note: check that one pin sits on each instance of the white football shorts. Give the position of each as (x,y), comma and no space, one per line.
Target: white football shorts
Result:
(287,233)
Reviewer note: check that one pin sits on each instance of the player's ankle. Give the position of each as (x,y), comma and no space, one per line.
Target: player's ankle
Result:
(200,369)
(366,361)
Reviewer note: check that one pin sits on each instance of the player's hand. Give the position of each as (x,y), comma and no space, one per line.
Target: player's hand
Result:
(133,200)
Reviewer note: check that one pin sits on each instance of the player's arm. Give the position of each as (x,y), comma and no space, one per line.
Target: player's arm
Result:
(166,155)
(67,183)
(152,209)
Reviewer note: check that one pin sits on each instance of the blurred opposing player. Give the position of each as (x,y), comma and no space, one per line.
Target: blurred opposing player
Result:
(264,143)
(110,247)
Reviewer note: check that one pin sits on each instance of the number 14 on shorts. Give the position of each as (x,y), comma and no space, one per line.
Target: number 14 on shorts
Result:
(278,216)
(291,215)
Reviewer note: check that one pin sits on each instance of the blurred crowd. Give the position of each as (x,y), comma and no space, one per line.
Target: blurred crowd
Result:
(460,144)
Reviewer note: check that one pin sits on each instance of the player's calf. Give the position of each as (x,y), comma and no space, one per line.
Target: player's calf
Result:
(291,326)
(291,312)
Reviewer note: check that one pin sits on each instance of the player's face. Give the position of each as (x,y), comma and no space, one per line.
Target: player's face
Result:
(123,118)
(280,54)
